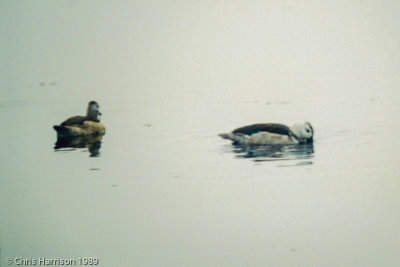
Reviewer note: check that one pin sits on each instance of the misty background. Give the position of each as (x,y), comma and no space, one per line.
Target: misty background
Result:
(169,76)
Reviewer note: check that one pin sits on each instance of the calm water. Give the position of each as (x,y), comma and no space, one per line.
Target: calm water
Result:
(161,188)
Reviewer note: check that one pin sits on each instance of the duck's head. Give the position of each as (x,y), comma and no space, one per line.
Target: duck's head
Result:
(303,131)
(93,110)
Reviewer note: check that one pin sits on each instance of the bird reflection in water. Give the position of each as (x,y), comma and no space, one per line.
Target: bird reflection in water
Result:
(91,142)
(276,152)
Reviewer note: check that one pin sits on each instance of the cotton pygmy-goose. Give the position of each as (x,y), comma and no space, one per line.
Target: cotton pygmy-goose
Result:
(82,125)
(272,134)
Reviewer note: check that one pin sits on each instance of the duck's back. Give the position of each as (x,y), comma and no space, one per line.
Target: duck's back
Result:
(275,128)
(79,125)
(77,120)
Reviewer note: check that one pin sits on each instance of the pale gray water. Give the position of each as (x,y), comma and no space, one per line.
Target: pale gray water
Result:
(164,189)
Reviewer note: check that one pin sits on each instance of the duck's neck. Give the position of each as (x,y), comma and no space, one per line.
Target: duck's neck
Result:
(296,132)
(92,113)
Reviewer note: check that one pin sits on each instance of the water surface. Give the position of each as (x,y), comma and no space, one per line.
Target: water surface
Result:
(161,188)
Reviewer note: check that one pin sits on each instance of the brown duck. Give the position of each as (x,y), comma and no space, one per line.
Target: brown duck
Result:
(82,125)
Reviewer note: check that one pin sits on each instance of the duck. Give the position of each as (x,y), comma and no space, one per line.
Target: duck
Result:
(272,134)
(82,125)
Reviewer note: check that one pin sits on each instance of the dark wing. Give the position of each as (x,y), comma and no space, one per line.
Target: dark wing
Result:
(77,120)
(275,128)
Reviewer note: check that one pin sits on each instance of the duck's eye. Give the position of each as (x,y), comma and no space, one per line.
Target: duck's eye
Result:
(307,130)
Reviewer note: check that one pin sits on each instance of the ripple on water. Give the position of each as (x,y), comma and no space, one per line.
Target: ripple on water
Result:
(301,153)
